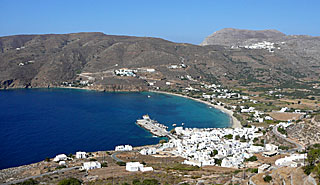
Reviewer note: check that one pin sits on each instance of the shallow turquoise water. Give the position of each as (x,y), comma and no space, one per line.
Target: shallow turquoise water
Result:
(40,123)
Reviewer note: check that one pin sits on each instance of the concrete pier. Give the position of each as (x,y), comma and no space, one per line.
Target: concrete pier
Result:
(153,126)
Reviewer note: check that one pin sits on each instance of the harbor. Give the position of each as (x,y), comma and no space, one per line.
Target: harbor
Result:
(155,128)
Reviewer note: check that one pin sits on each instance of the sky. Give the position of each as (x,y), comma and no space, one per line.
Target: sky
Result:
(185,21)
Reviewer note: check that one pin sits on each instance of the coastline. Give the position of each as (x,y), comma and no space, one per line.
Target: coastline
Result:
(234,123)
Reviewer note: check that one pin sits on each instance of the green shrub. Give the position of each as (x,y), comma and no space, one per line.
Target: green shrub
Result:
(183,167)
(229,136)
(213,153)
(254,170)
(60,167)
(251,159)
(70,181)
(104,164)
(121,163)
(136,182)
(150,182)
(218,161)
(283,147)
(29,182)
(267,178)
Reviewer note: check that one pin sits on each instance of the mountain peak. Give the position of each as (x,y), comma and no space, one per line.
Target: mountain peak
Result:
(229,36)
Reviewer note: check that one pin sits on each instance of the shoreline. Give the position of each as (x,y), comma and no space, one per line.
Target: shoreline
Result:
(234,123)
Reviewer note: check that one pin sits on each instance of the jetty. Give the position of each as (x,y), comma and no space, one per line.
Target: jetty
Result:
(154,127)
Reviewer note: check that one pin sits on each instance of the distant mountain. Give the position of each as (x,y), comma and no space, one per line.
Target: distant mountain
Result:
(300,50)
(231,36)
(53,59)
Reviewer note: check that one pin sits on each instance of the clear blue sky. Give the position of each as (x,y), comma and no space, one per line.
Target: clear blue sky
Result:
(187,21)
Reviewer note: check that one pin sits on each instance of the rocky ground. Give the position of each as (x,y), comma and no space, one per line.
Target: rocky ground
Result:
(306,132)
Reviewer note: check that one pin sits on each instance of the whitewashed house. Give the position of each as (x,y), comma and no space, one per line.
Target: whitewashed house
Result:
(133,166)
(123,148)
(60,157)
(81,155)
(91,165)
(62,163)
(146,169)
(263,168)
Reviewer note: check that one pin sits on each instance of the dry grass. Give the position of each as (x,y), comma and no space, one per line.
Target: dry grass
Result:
(285,116)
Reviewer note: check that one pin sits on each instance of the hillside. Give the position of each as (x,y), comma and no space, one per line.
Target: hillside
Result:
(53,59)
(299,50)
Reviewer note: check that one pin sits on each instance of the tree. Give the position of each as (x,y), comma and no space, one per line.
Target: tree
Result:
(121,163)
(70,181)
(229,136)
(313,156)
(252,158)
(213,153)
(218,161)
(317,171)
(136,182)
(267,178)
(104,164)
(237,137)
(150,182)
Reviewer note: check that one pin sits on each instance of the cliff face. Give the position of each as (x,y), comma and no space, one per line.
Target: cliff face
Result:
(49,60)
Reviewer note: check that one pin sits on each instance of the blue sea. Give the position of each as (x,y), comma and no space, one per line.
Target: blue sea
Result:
(40,123)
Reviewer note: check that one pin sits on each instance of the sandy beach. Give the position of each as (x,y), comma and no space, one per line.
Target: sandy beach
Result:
(233,121)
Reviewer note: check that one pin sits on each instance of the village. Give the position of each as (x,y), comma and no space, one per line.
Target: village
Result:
(259,139)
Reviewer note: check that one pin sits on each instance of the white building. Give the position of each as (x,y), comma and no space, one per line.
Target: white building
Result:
(292,160)
(146,169)
(125,72)
(284,109)
(60,157)
(271,147)
(123,148)
(133,166)
(136,166)
(263,168)
(81,155)
(91,165)
(62,163)
(148,151)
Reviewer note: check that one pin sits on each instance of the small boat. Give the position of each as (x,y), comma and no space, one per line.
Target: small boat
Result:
(149,96)
(210,107)
(174,125)
(182,124)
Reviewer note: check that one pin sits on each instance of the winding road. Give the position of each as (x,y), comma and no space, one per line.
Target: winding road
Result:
(298,148)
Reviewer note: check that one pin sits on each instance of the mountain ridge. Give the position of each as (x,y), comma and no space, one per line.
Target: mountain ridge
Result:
(52,59)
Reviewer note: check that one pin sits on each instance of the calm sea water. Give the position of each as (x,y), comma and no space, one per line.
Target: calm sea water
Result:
(40,123)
